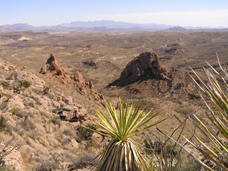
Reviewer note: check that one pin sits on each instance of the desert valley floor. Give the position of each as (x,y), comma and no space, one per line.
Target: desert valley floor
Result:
(100,58)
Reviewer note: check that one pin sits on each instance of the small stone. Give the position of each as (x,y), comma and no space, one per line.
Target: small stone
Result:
(68,108)
(68,100)
(96,139)
(74,143)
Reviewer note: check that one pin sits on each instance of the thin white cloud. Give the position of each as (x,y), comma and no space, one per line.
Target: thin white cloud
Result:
(217,18)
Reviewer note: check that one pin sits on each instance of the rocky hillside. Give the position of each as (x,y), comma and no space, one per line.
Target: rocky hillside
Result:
(41,127)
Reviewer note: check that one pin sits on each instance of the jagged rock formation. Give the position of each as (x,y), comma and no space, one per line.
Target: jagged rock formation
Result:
(52,65)
(85,88)
(78,77)
(145,63)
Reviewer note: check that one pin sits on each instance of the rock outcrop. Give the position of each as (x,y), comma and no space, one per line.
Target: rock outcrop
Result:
(145,63)
(52,65)
(76,79)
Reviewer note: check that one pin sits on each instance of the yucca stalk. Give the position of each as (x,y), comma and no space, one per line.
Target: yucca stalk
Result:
(122,154)
(216,151)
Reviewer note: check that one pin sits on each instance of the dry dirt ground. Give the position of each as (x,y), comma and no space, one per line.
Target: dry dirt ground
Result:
(101,57)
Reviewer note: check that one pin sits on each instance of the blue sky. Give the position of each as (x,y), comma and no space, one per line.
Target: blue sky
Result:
(211,13)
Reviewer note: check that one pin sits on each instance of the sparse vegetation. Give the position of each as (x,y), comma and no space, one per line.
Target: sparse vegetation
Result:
(46,89)
(2,123)
(55,119)
(4,84)
(49,143)
(15,111)
(86,133)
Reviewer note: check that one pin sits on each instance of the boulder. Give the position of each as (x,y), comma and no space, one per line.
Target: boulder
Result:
(67,115)
(68,100)
(96,139)
(78,77)
(69,108)
(74,144)
(82,114)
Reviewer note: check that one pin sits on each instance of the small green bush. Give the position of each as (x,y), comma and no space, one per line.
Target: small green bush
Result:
(86,133)
(2,123)
(55,119)
(46,89)
(15,111)
(21,86)
(4,84)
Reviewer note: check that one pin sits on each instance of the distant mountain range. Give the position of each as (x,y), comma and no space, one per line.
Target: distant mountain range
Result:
(113,24)
(103,25)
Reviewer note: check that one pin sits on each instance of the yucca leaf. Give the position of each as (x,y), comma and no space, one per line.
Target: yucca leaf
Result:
(221,65)
(207,155)
(219,99)
(186,149)
(105,120)
(207,132)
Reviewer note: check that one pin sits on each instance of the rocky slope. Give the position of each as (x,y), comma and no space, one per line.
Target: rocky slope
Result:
(42,129)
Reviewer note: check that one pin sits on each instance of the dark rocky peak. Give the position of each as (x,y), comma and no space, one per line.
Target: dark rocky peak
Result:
(146,64)
(52,65)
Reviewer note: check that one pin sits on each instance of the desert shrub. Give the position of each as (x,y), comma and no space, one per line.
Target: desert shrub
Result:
(24,83)
(9,78)
(2,123)
(85,133)
(21,86)
(14,111)
(55,119)
(46,89)
(4,84)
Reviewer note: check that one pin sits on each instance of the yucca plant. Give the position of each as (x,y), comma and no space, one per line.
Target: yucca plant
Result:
(216,150)
(122,154)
